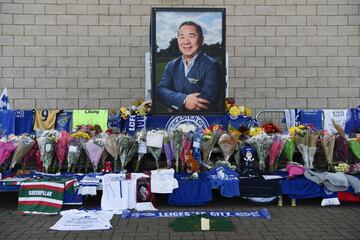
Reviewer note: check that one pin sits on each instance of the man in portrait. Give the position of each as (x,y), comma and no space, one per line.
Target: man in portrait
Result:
(191,82)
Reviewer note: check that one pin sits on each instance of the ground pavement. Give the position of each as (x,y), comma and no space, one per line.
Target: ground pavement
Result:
(305,221)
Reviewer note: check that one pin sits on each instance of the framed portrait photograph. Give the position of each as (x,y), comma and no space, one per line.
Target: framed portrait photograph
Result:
(188,61)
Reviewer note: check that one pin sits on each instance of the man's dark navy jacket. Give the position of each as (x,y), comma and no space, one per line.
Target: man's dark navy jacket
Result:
(204,77)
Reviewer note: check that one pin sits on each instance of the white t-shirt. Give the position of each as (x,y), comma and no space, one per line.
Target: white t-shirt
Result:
(163,181)
(115,194)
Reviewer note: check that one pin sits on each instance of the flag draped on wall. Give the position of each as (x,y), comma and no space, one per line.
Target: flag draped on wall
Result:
(4,100)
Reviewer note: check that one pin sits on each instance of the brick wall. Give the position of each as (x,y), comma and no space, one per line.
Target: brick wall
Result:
(90,53)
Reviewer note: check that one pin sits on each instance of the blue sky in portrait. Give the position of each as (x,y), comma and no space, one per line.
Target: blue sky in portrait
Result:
(167,24)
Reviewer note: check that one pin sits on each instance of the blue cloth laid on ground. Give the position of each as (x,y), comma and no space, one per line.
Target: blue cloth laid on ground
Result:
(226,180)
(302,188)
(191,191)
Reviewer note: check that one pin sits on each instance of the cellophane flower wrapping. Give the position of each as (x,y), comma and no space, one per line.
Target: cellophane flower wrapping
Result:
(196,147)
(207,145)
(237,155)
(62,147)
(275,151)
(355,147)
(176,137)
(74,152)
(6,149)
(142,149)
(289,148)
(94,149)
(111,146)
(46,141)
(186,146)
(168,149)
(227,144)
(261,143)
(327,142)
(341,148)
(24,145)
(127,147)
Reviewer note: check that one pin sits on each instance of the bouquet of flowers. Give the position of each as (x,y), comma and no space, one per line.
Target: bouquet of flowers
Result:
(94,148)
(142,150)
(306,143)
(154,142)
(30,154)
(74,152)
(227,144)
(207,146)
(168,149)
(261,143)
(210,137)
(6,149)
(186,146)
(270,128)
(275,151)
(255,131)
(237,156)
(62,147)
(327,142)
(46,141)
(341,148)
(289,148)
(24,145)
(355,147)
(111,146)
(176,144)
(196,147)
(127,147)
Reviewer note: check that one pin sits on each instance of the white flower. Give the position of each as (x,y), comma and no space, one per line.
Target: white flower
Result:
(186,127)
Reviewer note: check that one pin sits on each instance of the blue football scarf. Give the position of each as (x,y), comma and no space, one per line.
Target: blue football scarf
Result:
(263,213)
(135,123)
(7,122)
(24,121)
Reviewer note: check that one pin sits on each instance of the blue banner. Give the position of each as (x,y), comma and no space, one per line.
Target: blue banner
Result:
(172,122)
(263,213)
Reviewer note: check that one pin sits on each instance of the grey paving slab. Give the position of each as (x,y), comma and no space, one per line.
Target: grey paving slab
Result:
(308,220)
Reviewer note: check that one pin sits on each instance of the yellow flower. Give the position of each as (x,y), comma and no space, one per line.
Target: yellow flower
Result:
(294,130)
(124,112)
(234,132)
(81,134)
(248,111)
(255,131)
(138,102)
(234,111)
